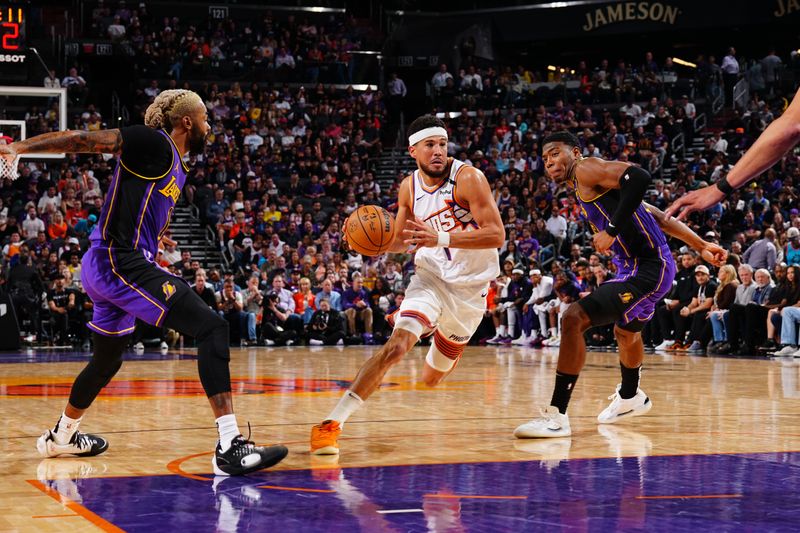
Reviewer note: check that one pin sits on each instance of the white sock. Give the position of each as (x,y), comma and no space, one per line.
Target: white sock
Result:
(501,331)
(65,429)
(349,404)
(228,430)
(553,332)
(534,334)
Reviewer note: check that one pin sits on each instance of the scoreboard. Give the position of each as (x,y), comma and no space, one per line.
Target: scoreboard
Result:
(12,34)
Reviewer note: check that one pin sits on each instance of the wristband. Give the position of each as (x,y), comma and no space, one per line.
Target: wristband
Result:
(725,187)
(444,240)
(612,230)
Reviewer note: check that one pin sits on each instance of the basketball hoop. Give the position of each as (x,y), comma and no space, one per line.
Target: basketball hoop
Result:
(9,169)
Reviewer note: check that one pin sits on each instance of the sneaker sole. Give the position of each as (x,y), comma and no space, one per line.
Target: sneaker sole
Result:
(278,454)
(634,412)
(326,450)
(531,434)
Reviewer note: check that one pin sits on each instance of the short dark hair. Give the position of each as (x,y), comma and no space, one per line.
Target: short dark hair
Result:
(425,121)
(562,137)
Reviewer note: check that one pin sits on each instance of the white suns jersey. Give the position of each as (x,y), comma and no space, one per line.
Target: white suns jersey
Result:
(438,208)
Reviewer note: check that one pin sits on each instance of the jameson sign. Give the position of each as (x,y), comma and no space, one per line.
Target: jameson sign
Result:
(587,18)
(631,11)
(784,7)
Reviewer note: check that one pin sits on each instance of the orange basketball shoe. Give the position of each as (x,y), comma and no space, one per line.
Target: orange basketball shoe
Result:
(323,438)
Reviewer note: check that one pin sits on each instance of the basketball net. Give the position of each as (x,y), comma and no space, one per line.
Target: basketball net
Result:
(9,169)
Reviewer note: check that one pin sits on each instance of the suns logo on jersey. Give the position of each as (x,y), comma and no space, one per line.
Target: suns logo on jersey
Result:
(168,288)
(442,220)
(171,190)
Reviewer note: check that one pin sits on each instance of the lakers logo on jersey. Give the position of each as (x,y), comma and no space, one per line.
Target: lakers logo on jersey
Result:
(626,297)
(169,289)
(171,190)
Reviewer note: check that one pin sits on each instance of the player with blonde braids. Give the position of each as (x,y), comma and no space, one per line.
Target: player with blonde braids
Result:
(124,282)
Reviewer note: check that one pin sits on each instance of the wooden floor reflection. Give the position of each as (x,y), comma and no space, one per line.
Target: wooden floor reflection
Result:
(158,422)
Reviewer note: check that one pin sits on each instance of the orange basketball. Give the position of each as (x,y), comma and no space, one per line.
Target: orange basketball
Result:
(370,230)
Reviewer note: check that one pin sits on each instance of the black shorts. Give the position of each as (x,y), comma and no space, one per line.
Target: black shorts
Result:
(630,299)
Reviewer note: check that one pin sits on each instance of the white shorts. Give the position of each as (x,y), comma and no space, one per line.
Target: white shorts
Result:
(454,313)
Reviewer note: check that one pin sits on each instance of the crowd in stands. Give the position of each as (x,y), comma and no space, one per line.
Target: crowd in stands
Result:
(285,166)
(269,46)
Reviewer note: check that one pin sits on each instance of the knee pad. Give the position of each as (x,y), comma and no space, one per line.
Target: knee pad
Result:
(409,324)
(438,361)
(443,353)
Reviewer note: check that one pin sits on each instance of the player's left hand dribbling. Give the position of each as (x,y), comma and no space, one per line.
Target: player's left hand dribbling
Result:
(602,241)
(418,234)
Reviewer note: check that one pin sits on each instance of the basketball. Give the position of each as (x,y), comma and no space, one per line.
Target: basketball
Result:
(370,230)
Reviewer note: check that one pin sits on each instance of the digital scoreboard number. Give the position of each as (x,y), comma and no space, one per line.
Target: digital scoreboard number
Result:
(12,34)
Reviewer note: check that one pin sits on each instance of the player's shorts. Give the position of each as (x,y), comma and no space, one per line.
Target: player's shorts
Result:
(630,299)
(124,285)
(452,313)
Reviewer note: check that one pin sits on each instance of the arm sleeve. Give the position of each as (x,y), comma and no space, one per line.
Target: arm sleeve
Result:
(633,184)
(146,152)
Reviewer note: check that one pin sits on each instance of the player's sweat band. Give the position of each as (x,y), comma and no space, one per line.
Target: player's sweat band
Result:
(435,131)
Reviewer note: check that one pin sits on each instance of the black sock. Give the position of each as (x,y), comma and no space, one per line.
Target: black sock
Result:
(563,391)
(630,381)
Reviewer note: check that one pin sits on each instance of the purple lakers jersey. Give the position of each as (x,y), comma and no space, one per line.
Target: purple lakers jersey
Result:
(145,187)
(642,238)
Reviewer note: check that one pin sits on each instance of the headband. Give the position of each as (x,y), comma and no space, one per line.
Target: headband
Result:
(427,132)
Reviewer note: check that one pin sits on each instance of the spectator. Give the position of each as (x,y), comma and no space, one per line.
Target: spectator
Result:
(230,305)
(51,81)
(276,328)
(253,301)
(205,292)
(355,302)
(327,292)
(325,326)
(724,297)
(75,85)
(762,253)
(534,312)
(32,225)
(305,300)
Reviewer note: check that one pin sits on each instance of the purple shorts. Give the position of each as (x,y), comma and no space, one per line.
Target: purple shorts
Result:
(124,285)
(630,299)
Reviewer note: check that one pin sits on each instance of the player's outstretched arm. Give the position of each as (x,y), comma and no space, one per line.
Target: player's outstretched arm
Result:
(474,191)
(70,141)
(713,253)
(777,139)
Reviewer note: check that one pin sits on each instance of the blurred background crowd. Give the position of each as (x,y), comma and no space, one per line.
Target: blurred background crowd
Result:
(297,144)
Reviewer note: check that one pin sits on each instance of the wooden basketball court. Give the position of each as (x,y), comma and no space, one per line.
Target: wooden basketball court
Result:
(721,447)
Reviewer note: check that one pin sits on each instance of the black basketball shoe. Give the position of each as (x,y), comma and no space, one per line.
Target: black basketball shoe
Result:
(244,457)
(80,445)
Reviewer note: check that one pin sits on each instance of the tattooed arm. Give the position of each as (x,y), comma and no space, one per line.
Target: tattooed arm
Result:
(70,141)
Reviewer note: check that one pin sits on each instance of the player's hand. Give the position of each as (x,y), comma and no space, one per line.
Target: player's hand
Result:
(525,308)
(714,254)
(602,241)
(695,201)
(418,235)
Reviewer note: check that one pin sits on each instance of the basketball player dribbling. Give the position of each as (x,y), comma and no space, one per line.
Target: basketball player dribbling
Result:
(124,282)
(452,223)
(610,195)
